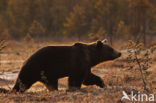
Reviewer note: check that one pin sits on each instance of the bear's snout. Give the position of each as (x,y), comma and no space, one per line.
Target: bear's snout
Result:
(119,54)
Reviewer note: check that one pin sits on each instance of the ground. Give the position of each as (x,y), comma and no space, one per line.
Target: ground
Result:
(115,74)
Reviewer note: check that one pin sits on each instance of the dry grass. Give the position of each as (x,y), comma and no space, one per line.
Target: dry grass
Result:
(114,73)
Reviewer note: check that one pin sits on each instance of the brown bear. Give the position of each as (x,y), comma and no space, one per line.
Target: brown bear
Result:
(50,63)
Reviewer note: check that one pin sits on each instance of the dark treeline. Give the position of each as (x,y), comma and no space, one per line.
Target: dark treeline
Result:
(78,18)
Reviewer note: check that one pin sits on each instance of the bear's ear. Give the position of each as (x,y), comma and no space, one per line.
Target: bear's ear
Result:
(99,44)
(105,41)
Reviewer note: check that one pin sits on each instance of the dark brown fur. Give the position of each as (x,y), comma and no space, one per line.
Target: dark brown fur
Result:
(53,62)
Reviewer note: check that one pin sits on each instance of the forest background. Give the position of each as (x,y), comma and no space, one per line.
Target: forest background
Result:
(81,19)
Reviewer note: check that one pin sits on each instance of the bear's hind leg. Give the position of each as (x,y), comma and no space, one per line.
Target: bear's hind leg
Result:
(52,85)
(94,80)
(22,86)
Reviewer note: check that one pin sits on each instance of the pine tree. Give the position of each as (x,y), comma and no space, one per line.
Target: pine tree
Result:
(36,30)
(76,23)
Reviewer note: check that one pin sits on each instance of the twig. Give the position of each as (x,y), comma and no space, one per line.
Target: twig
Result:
(142,76)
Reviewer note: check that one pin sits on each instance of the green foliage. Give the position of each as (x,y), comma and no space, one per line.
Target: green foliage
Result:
(101,34)
(122,30)
(139,59)
(78,17)
(76,23)
(36,30)
(153,49)
(28,38)
(5,35)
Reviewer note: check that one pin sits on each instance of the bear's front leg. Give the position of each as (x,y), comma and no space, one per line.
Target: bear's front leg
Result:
(94,80)
(75,82)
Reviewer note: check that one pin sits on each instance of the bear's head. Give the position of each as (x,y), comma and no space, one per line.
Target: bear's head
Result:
(104,52)
(97,52)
